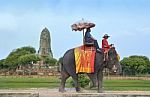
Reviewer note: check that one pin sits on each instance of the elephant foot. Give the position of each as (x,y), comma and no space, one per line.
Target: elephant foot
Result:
(62,90)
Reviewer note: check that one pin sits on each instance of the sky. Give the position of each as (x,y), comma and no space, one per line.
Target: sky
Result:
(126,21)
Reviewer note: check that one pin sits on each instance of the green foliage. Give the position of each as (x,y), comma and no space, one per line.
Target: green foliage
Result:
(49,60)
(2,63)
(23,50)
(13,59)
(28,59)
(134,65)
(82,79)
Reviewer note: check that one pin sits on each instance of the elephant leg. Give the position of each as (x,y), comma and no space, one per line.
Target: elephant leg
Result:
(75,79)
(93,78)
(100,82)
(64,77)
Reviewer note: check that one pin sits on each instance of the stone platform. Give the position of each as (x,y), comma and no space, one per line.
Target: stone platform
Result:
(19,94)
(70,93)
(105,95)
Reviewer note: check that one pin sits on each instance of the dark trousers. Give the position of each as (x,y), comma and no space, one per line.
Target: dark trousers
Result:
(96,44)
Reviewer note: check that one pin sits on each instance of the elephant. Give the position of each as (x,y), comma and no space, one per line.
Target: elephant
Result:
(68,68)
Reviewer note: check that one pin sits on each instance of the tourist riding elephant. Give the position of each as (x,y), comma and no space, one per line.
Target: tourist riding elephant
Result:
(68,68)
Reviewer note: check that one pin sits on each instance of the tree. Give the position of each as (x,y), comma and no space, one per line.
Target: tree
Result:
(28,59)
(147,66)
(2,63)
(12,60)
(133,65)
(49,60)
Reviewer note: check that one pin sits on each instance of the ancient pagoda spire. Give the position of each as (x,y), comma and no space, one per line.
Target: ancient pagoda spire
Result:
(45,43)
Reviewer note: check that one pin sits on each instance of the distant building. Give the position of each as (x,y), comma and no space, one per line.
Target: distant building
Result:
(45,44)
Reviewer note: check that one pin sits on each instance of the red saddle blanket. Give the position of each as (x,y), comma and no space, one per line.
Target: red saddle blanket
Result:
(84,59)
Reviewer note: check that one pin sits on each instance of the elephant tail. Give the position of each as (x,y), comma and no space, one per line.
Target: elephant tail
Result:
(60,64)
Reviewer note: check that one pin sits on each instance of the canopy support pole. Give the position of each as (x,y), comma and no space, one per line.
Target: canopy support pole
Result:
(83,37)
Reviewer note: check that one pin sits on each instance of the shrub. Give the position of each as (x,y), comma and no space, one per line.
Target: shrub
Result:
(82,79)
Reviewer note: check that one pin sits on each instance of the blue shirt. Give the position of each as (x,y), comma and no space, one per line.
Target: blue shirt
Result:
(88,37)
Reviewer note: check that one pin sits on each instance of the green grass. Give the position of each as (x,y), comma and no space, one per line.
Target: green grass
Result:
(54,82)
(143,85)
(28,82)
